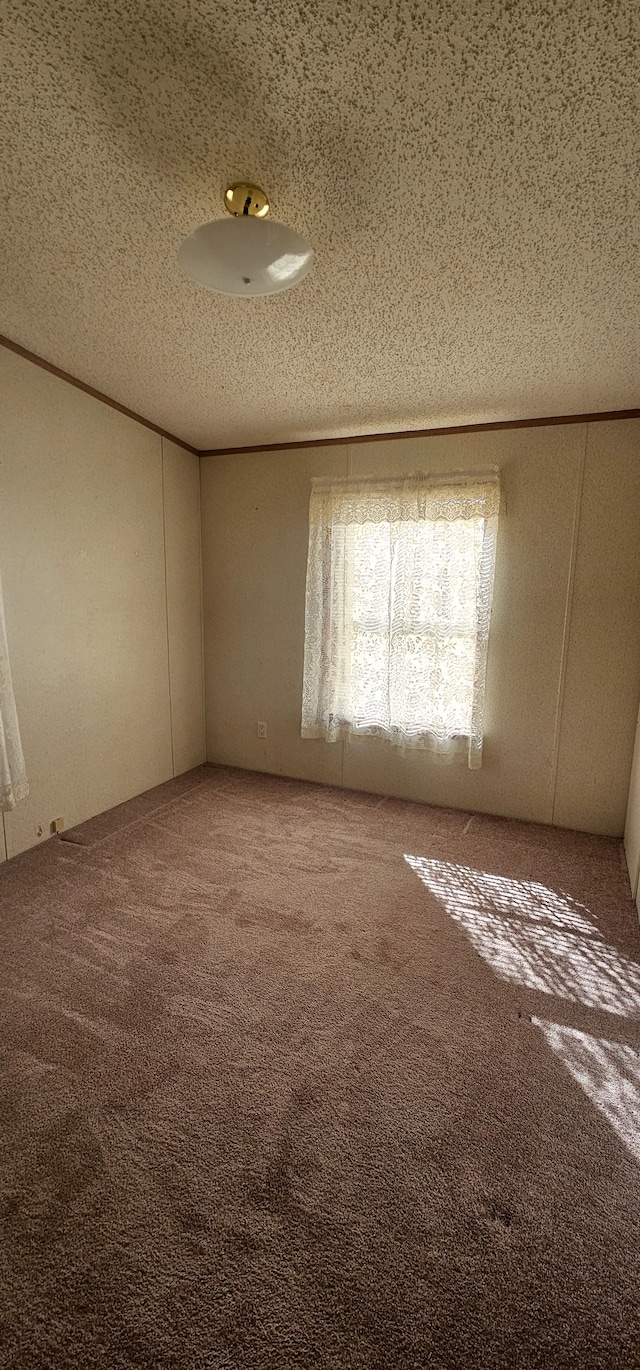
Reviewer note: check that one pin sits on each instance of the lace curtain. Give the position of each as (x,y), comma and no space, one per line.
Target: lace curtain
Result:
(398,604)
(13,780)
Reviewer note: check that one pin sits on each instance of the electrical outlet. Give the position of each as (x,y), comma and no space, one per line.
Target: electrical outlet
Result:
(57,825)
(262,730)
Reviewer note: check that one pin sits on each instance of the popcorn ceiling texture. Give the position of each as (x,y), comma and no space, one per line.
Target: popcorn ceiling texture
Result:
(466,173)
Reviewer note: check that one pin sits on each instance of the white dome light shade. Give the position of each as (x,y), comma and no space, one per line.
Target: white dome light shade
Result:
(245,256)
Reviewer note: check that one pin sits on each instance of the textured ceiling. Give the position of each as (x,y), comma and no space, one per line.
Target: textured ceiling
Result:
(466,172)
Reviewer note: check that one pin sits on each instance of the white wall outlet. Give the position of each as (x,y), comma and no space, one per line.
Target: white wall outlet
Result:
(57,825)
(262,730)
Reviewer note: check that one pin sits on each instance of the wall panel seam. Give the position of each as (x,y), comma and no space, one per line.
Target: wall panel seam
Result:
(166,603)
(566,629)
(205,736)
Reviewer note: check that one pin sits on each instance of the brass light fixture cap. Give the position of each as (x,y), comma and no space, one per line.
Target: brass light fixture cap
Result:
(246,199)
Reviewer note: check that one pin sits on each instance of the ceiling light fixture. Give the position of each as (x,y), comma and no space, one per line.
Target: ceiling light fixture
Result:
(247,254)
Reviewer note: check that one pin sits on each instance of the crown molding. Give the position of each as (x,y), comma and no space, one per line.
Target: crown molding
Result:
(607,416)
(95,394)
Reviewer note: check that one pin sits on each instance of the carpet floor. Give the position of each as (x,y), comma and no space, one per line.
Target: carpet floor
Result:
(298,1077)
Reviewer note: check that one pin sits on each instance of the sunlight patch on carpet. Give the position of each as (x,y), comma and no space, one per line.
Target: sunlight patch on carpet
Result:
(534,937)
(608,1072)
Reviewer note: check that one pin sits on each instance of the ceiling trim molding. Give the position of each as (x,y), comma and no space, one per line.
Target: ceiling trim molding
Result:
(95,394)
(607,416)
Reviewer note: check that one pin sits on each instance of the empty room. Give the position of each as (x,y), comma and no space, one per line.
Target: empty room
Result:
(320,685)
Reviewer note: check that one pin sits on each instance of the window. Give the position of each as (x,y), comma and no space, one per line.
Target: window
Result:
(399,586)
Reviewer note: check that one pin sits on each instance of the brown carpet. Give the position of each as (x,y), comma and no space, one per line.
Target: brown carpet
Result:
(294,1077)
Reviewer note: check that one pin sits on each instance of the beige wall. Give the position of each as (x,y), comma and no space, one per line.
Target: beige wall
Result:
(100,560)
(564,657)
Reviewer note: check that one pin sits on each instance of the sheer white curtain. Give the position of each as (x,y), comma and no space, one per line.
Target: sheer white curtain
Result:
(13,779)
(399,588)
